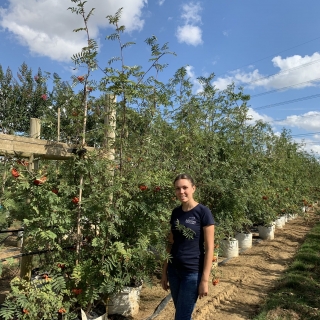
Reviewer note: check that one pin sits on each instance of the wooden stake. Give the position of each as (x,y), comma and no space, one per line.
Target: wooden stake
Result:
(26,262)
(110,125)
(109,139)
(35,128)
(58,137)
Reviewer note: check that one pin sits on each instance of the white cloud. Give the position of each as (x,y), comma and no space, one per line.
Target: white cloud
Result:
(190,13)
(309,145)
(309,121)
(225,33)
(255,116)
(161,2)
(45,26)
(238,77)
(303,70)
(312,148)
(190,33)
(197,87)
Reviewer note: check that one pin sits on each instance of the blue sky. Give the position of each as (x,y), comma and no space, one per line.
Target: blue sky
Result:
(263,45)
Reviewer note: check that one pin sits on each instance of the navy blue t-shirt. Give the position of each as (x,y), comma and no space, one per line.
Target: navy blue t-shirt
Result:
(188,254)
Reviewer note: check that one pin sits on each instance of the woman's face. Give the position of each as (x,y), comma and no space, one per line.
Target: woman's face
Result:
(184,190)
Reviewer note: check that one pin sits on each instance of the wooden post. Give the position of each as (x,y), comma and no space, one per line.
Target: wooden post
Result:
(58,134)
(110,125)
(26,262)
(35,128)
(110,135)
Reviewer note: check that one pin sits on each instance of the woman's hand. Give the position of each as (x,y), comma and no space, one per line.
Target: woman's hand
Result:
(209,248)
(164,281)
(203,289)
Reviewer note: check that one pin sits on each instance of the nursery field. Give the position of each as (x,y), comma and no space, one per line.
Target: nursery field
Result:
(245,281)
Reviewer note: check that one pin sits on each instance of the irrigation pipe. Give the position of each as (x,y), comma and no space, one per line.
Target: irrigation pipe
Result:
(33,253)
(160,307)
(15,230)
(22,229)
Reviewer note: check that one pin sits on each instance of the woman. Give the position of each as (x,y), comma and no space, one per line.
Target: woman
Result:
(191,245)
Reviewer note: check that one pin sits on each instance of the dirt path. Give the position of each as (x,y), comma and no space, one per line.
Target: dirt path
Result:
(245,281)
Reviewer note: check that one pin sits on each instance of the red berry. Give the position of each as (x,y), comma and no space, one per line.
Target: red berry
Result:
(37,182)
(77,291)
(15,173)
(75,200)
(23,162)
(80,78)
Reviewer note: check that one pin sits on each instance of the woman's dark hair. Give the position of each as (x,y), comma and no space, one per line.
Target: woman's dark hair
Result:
(184,176)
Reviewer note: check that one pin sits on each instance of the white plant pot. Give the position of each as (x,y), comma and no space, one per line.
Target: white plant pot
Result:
(289,217)
(230,248)
(126,302)
(244,240)
(279,223)
(266,233)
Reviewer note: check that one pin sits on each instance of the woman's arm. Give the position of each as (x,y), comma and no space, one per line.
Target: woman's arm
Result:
(209,247)
(164,277)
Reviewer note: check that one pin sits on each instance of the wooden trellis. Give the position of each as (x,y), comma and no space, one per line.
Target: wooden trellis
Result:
(25,147)
(34,149)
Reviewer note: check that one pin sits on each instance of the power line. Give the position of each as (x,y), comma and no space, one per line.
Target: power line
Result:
(312,142)
(282,88)
(287,102)
(305,134)
(303,116)
(282,71)
(298,116)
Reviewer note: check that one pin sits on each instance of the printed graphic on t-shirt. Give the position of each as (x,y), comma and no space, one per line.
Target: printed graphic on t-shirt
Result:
(191,220)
